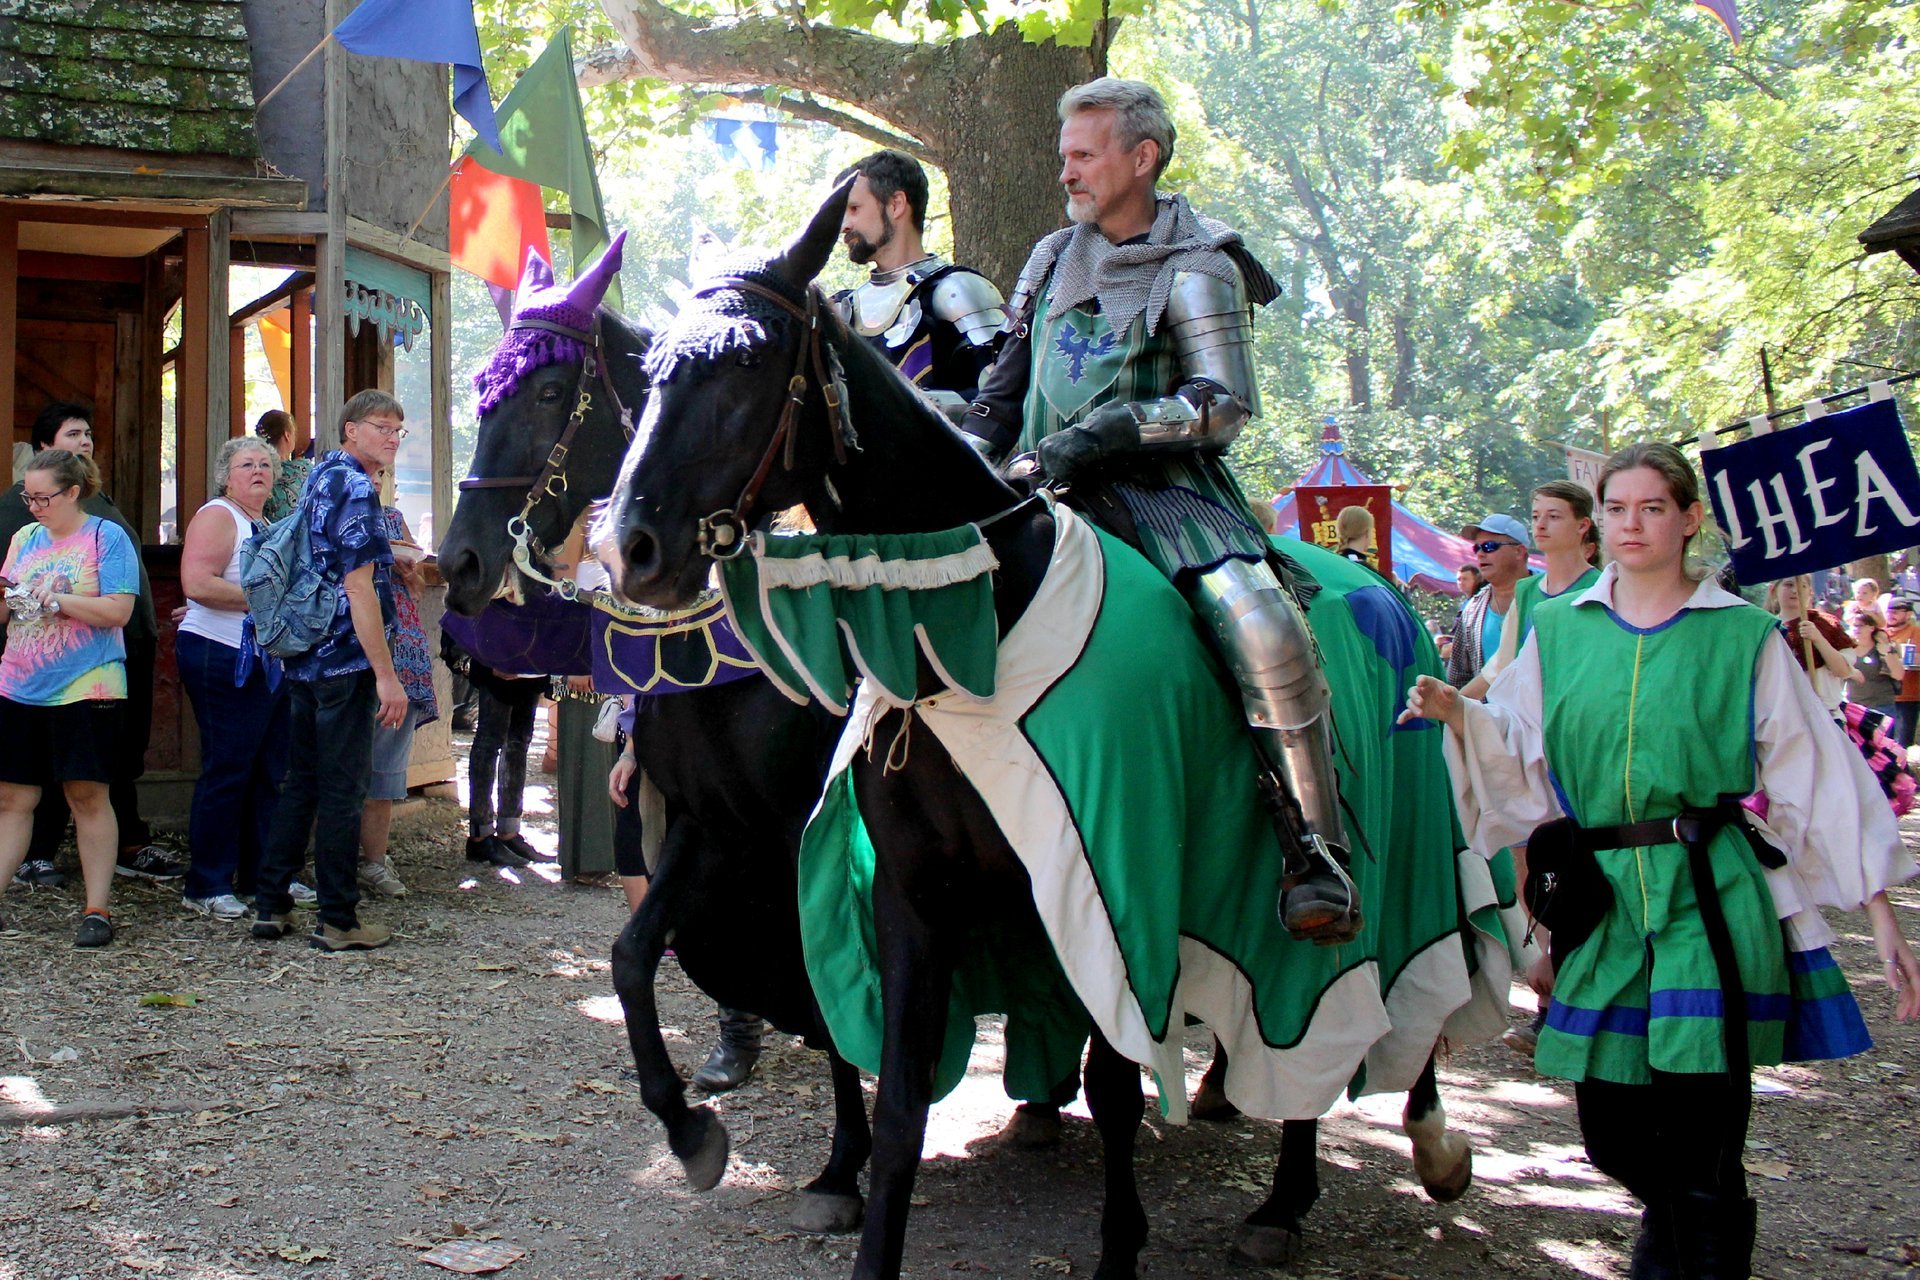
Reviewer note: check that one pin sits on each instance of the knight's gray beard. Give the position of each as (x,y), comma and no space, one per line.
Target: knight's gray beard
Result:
(1083,209)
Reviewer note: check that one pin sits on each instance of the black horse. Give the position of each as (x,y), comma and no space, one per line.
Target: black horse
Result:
(765,352)
(738,766)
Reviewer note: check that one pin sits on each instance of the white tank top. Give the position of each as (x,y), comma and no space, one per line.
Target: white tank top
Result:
(222,626)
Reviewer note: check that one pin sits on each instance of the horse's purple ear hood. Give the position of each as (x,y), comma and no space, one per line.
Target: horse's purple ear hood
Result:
(526,348)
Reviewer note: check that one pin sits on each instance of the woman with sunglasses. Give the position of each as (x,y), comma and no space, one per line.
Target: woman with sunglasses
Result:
(71,580)
(1689,944)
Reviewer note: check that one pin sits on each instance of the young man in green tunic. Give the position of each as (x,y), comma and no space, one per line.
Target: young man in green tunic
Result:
(1128,366)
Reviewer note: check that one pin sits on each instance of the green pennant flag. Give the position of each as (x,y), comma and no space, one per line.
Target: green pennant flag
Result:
(543,140)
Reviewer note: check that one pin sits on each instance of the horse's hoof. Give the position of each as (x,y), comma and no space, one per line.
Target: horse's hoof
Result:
(704,1165)
(824,1213)
(1452,1184)
(1032,1129)
(1256,1246)
(1210,1102)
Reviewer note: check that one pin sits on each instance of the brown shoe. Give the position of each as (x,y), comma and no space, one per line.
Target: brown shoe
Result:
(271,928)
(362,937)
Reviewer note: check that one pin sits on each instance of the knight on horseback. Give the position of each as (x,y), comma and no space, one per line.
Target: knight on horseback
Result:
(936,322)
(1128,366)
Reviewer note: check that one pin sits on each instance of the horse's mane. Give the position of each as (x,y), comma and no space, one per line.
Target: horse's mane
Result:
(711,325)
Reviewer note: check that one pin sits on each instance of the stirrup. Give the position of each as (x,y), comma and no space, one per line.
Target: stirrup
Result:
(1323,923)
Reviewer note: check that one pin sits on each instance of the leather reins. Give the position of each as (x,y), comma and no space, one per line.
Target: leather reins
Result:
(723,534)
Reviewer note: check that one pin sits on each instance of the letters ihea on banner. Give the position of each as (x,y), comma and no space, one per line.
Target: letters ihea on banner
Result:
(1837,489)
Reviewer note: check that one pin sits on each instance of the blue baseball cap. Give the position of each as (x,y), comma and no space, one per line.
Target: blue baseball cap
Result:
(1504,526)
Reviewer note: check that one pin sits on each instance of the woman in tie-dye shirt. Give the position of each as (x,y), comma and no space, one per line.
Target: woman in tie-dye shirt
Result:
(71,580)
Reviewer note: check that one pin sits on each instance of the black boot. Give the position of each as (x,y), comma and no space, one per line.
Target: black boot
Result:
(1656,1254)
(1716,1235)
(732,1059)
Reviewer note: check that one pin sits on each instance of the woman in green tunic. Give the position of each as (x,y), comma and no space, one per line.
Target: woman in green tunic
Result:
(1641,709)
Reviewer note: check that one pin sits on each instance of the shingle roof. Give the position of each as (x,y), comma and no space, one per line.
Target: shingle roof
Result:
(1902,222)
(170,76)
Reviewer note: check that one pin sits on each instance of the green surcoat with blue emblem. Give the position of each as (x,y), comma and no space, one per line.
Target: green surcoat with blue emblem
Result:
(1189,511)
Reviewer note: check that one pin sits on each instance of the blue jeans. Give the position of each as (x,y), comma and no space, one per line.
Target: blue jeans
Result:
(329,762)
(243,752)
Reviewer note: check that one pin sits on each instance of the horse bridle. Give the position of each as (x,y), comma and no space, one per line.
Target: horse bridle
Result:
(528,551)
(723,535)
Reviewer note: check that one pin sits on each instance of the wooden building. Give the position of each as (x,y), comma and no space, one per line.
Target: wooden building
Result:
(1897,231)
(139,183)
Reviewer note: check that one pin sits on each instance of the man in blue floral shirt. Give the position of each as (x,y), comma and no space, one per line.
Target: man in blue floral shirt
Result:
(340,688)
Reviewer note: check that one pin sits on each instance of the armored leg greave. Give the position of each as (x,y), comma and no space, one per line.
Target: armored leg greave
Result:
(1263,635)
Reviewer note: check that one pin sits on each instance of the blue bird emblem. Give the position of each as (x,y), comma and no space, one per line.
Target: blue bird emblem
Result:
(1077,349)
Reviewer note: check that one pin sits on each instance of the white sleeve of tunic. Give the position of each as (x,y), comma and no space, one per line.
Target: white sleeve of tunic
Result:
(1825,809)
(1497,760)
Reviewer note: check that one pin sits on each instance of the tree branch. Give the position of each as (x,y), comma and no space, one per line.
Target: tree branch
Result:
(807,108)
(840,63)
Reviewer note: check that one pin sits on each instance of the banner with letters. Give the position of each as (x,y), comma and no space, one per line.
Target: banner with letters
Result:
(1320,507)
(1835,489)
(1583,467)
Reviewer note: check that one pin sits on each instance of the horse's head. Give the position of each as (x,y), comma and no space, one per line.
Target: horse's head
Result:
(743,357)
(530,389)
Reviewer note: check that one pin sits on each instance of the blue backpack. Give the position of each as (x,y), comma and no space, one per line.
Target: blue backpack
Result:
(292,602)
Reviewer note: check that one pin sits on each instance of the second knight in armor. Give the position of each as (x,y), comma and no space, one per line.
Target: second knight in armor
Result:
(938,323)
(1128,366)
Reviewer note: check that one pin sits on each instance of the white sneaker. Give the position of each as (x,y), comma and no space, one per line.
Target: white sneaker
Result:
(221,907)
(302,896)
(381,878)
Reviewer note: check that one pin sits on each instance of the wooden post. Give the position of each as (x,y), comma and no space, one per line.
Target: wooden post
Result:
(1766,379)
(9,326)
(236,379)
(330,249)
(190,378)
(153,328)
(203,365)
(300,364)
(440,327)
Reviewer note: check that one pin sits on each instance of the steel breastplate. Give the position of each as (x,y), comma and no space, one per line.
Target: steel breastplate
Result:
(886,306)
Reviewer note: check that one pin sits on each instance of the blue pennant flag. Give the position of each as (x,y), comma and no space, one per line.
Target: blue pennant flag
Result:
(428,31)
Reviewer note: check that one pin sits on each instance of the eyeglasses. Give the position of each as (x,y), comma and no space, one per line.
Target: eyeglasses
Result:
(1492,545)
(394,432)
(39,501)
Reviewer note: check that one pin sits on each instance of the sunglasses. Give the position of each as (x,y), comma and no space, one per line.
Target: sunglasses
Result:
(1492,545)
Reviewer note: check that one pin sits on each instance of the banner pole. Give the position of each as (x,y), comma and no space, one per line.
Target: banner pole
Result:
(432,200)
(298,67)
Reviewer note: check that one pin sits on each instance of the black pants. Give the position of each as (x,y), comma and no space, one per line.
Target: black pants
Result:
(329,763)
(1906,715)
(1680,1135)
(51,817)
(497,764)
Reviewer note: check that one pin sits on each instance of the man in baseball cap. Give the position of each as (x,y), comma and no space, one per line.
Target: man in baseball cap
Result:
(1499,544)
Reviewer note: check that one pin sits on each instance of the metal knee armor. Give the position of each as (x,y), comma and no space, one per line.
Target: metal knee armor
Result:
(1263,635)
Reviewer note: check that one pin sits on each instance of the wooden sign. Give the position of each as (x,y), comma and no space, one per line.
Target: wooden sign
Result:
(1320,507)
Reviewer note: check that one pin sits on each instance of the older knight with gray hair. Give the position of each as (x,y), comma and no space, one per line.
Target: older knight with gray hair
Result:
(1128,368)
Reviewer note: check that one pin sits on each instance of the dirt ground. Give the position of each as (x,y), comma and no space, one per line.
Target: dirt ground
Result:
(332,1116)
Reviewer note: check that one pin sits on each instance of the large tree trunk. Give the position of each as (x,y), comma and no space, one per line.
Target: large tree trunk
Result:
(981,107)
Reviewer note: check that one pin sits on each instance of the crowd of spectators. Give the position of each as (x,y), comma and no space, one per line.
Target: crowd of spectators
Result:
(301,758)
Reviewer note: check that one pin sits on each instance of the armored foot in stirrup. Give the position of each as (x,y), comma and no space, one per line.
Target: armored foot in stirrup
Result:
(1318,902)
